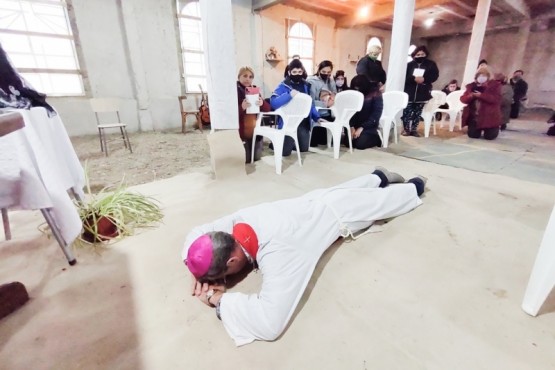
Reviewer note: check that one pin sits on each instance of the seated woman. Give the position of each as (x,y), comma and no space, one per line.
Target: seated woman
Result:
(321,81)
(15,92)
(483,110)
(293,84)
(364,124)
(341,81)
(248,121)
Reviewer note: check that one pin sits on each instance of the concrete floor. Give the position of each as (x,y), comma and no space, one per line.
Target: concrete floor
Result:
(438,288)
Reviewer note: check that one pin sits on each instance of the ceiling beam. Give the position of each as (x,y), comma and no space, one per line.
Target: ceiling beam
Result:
(263,4)
(465,6)
(452,12)
(520,6)
(313,6)
(494,23)
(382,11)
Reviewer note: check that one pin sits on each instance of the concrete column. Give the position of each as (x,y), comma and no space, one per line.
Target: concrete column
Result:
(219,56)
(134,56)
(519,48)
(476,40)
(400,41)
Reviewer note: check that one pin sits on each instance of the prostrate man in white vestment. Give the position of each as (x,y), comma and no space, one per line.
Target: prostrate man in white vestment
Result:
(285,239)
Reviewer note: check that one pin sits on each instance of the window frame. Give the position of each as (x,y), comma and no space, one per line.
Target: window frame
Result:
(180,5)
(289,24)
(73,37)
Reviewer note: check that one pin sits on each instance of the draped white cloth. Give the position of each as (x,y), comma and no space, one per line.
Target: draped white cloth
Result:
(221,72)
(293,234)
(37,166)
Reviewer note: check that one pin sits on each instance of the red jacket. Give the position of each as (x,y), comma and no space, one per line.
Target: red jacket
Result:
(486,109)
(244,133)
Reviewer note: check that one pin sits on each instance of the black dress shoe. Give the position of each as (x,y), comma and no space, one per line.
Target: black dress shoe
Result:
(414,133)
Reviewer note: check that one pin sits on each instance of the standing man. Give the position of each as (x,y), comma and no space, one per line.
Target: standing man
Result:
(520,89)
(285,240)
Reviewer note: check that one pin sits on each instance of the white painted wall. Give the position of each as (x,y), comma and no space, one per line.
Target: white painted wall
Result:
(273,31)
(351,46)
(144,69)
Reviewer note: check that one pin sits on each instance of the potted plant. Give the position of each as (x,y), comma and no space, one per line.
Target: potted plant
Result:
(113,213)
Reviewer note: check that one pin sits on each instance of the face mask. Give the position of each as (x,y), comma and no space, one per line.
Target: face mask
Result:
(324,76)
(481,79)
(296,78)
(419,59)
(339,83)
(373,57)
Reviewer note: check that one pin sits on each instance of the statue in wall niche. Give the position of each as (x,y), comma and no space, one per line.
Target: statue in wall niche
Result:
(272,54)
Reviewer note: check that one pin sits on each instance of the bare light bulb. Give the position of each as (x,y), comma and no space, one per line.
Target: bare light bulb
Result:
(429,22)
(363,12)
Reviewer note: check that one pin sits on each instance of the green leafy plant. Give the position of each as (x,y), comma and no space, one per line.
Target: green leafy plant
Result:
(113,213)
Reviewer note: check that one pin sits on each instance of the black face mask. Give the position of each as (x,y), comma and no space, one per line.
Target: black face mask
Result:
(419,59)
(324,76)
(296,78)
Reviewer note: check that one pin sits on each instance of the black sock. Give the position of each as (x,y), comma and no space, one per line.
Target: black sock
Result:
(419,184)
(382,177)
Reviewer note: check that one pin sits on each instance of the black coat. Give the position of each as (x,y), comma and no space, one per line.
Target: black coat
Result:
(421,92)
(369,115)
(520,88)
(372,69)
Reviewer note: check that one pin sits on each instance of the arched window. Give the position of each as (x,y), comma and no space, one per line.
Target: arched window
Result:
(411,49)
(301,42)
(38,38)
(192,50)
(375,41)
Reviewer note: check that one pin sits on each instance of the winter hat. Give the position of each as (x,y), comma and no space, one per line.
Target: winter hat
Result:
(483,71)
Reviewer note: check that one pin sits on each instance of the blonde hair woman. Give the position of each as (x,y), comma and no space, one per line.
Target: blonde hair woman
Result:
(248,121)
(371,67)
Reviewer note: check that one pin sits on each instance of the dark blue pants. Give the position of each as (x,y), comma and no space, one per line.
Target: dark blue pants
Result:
(303,135)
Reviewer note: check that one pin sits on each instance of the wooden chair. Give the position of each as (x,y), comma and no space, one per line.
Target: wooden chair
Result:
(185,113)
(109,105)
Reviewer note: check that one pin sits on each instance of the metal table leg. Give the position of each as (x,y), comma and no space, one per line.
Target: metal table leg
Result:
(6,222)
(57,234)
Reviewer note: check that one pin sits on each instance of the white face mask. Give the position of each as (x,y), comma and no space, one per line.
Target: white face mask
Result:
(481,79)
(339,83)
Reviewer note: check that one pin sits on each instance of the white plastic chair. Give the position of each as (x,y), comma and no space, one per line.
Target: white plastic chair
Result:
(542,278)
(454,110)
(428,113)
(292,115)
(347,103)
(393,103)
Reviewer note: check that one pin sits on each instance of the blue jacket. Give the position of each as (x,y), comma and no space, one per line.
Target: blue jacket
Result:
(282,95)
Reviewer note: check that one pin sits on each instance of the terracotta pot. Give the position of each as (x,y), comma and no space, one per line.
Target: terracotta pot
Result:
(106,228)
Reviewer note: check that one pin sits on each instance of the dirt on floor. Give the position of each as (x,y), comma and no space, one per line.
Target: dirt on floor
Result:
(159,155)
(156,155)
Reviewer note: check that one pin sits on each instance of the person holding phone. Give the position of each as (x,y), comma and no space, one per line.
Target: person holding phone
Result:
(483,106)
(247,115)
(322,82)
